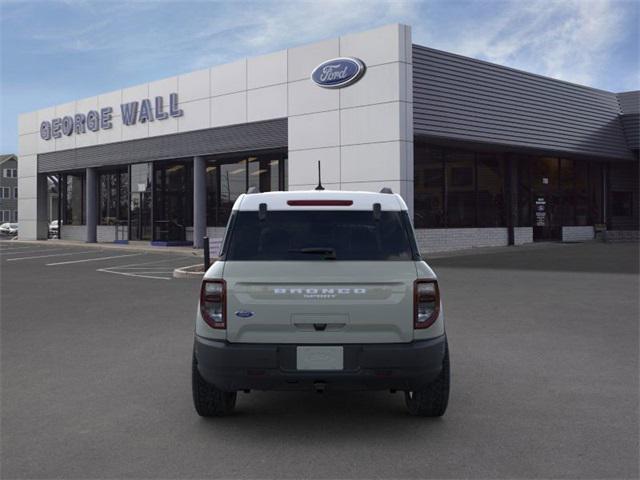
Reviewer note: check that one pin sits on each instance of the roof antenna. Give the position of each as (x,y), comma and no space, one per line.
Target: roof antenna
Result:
(319,187)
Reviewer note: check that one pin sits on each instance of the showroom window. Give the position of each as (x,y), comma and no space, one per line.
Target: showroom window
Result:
(113,197)
(73,199)
(457,188)
(228,178)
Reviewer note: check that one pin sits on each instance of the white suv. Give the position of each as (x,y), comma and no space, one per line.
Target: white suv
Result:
(320,290)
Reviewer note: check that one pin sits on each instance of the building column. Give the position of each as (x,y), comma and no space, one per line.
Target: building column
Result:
(42,216)
(511,173)
(199,201)
(91,207)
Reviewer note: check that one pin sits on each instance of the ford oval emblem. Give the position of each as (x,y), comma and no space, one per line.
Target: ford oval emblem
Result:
(339,72)
(244,314)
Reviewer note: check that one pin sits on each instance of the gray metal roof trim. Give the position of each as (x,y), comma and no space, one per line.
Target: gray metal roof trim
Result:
(473,100)
(232,139)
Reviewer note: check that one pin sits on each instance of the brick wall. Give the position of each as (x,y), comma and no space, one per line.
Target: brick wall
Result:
(448,239)
(522,235)
(74,232)
(616,236)
(577,234)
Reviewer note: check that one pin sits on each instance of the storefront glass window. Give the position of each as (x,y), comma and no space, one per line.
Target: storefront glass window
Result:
(228,178)
(524,190)
(581,171)
(113,197)
(461,189)
(491,200)
(429,187)
(595,193)
(73,201)
(173,200)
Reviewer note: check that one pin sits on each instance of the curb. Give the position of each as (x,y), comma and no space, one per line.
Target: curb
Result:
(188,272)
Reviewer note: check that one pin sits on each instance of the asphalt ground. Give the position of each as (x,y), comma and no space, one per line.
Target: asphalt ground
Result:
(96,377)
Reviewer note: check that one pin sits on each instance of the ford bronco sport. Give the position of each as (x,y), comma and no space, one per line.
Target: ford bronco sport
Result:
(320,290)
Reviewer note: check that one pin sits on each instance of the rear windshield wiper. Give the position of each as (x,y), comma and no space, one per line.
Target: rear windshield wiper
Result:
(330,253)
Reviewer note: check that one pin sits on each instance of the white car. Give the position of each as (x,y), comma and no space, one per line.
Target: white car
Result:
(320,290)
(9,228)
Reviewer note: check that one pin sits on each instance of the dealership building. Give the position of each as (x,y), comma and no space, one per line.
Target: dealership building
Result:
(484,155)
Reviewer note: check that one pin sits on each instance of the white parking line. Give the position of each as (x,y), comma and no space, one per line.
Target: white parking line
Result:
(52,255)
(39,250)
(92,259)
(126,274)
(15,249)
(143,270)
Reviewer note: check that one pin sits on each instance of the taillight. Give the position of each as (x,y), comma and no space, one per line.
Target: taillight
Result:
(426,303)
(213,303)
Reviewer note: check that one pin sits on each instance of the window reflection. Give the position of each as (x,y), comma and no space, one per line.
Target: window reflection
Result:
(228,178)
(73,199)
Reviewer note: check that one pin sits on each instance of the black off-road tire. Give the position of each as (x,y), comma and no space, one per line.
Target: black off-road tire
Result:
(432,400)
(208,400)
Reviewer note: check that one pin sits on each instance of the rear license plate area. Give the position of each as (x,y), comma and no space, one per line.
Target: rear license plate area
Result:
(319,358)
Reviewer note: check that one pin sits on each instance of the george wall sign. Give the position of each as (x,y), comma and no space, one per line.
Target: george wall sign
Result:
(94,120)
(338,72)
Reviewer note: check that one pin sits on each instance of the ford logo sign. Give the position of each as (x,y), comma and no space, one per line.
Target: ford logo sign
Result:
(244,314)
(339,72)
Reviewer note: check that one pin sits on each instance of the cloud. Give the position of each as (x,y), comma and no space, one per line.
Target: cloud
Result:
(569,40)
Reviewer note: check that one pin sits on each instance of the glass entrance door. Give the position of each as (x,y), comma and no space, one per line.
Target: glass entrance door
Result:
(546,201)
(140,214)
(140,220)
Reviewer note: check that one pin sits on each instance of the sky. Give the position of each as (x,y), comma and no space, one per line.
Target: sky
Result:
(55,51)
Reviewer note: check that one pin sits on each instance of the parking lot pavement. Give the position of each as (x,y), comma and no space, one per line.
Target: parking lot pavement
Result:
(544,350)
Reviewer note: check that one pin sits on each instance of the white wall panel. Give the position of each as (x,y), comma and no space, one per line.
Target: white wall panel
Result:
(372,162)
(162,88)
(306,97)
(27,187)
(372,123)
(164,127)
(28,123)
(374,47)
(303,59)
(312,186)
(194,85)
(46,145)
(267,70)
(380,84)
(315,130)
(229,109)
(87,139)
(266,103)
(303,166)
(131,132)
(229,78)
(27,166)
(91,103)
(28,144)
(131,94)
(111,99)
(113,134)
(197,115)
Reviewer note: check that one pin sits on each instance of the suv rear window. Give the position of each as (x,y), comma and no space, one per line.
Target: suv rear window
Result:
(320,235)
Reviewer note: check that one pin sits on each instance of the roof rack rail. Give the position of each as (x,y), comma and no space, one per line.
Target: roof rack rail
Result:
(386,190)
(252,189)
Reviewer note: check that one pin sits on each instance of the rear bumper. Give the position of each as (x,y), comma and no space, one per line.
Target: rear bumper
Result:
(401,366)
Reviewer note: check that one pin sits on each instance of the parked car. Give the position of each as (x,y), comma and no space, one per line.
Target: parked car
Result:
(9,229)
(320,290)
